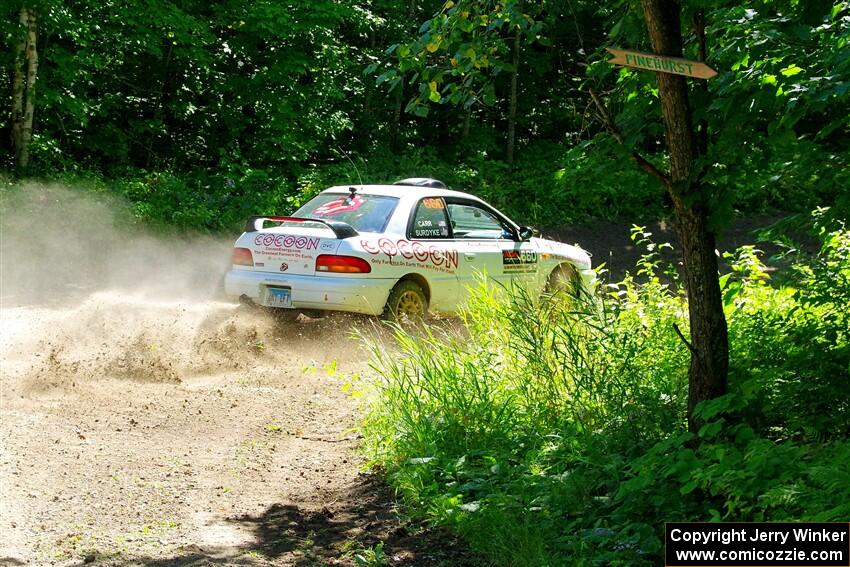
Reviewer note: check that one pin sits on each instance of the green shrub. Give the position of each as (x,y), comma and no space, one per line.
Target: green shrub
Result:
(552,431)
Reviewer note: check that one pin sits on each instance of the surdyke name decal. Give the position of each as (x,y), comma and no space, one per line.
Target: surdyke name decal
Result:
(419,254)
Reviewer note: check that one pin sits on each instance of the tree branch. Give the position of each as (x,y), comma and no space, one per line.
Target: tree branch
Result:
(641,161)
(684,340)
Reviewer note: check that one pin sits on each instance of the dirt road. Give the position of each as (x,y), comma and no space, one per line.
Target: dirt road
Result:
(137,431)
(143,422)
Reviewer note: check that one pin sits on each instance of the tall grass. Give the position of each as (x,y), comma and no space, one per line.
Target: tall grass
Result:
(551,431)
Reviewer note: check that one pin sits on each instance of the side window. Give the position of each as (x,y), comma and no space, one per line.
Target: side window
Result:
(430,220)
(472,221)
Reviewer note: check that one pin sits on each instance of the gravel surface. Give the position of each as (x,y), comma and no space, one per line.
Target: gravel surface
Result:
(137,431)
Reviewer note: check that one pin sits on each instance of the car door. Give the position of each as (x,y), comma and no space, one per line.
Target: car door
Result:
(487,245)
(430,248)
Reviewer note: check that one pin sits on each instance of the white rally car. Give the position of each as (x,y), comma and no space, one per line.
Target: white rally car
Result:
(399,250)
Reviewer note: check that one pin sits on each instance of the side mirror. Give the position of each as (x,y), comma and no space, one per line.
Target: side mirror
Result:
(525,233)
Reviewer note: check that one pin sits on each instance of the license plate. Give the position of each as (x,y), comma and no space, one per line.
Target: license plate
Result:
(278,297)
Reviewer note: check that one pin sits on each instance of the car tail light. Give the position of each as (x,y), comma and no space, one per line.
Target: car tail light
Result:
(242,257)
(342,264)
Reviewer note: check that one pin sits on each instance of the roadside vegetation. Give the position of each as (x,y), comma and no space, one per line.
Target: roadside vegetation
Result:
(553,431)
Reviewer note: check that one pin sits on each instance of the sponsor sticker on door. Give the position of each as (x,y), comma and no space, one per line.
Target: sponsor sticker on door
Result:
(519,261)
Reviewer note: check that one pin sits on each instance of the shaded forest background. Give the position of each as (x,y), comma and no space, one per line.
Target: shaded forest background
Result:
(201,113)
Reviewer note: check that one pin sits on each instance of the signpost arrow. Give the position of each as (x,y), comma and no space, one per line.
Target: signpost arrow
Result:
(661,63)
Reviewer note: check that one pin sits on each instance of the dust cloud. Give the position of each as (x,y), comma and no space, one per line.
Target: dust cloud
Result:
(139,411)
(58,246)
(87,295)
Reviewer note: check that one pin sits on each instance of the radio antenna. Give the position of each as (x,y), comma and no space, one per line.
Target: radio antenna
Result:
(354,165)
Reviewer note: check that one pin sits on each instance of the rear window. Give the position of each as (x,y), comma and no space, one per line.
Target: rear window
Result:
(366,213)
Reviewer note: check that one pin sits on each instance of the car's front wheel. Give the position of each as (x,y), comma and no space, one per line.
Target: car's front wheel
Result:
(564,279)
(407,301)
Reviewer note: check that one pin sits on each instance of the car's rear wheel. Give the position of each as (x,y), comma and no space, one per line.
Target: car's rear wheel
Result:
(407,302)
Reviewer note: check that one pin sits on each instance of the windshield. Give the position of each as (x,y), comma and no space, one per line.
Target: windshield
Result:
(366,213)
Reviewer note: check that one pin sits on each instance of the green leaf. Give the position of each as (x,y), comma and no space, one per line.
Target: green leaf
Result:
(710,430)
(791,70)
(489,95)
(615,30)
(744,434)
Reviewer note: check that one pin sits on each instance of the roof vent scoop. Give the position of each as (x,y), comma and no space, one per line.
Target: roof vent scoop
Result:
(422,182)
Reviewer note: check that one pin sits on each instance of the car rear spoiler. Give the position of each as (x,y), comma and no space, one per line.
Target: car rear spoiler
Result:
(340,229)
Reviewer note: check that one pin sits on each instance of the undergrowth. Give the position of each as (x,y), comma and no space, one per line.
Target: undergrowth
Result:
(222,197)
(553,431)
(550,185)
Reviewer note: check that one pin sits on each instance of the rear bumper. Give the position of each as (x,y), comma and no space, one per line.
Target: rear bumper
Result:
(331,293)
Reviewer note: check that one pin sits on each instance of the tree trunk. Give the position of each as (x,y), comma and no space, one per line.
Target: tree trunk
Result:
(29,96)
(396,121)
(709,338)
(709,344)
(23,88)
(509,153)
(702,126)
(399,97)
(18,91)
(367,126)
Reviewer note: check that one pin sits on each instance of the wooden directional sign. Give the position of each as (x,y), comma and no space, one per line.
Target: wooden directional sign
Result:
(661,63)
